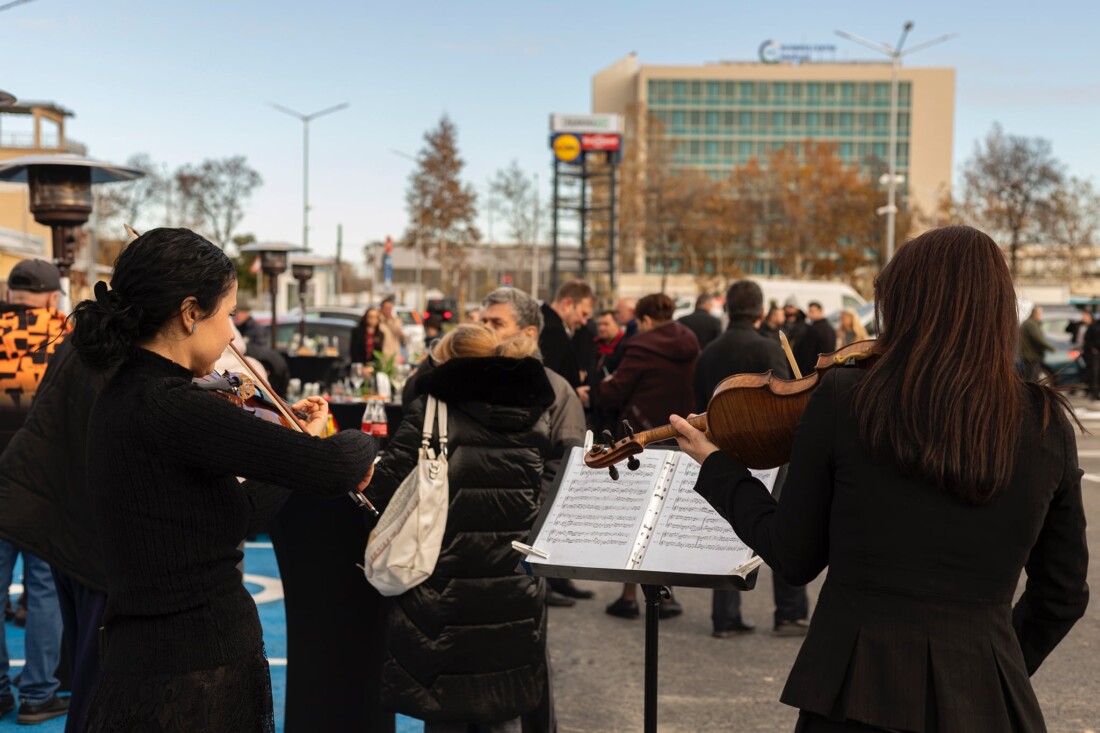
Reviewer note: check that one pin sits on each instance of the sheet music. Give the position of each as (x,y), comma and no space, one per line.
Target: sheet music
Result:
(594,520)
(690,536)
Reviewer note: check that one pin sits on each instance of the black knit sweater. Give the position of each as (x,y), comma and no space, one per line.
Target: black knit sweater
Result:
(162,461)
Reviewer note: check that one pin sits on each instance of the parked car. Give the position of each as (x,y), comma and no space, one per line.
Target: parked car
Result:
(340,321)
(335,330)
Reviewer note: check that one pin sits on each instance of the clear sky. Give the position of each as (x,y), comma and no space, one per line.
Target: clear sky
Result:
(184,81)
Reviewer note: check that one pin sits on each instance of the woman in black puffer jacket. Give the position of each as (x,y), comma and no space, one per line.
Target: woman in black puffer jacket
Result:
(468,645)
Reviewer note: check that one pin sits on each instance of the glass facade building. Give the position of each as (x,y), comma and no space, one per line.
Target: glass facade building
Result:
(722,115)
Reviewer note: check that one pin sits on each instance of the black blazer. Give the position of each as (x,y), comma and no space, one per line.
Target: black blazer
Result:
(914,628)
(705,326)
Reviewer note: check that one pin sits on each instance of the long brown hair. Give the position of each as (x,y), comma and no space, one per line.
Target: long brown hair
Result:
(944,399)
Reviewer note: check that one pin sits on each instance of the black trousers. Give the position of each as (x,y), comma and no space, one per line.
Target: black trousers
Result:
(81,615)
(791,604)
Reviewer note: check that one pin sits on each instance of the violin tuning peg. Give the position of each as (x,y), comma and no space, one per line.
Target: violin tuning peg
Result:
(613,472)
(608,437)
(633,463)
(627,430)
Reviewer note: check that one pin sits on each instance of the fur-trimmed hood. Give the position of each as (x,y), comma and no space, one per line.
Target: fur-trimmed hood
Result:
(484,386)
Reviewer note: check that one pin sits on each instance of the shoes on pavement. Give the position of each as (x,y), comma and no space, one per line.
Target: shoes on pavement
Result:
(738,629)
(569,589)
(55,707)
(553,598)
(796,627)
(624,608)
(669,608)
(7,704)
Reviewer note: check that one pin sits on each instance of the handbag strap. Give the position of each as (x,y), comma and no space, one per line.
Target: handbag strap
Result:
(432,410)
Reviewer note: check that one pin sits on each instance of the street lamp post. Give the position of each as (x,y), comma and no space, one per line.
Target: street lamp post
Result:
(895,53)
(306,119)
(273,262)
(61,198)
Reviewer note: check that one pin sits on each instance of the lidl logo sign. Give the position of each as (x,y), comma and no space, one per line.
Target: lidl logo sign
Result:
(567,148)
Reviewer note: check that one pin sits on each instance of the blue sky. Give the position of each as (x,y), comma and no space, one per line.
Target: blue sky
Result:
(184,81)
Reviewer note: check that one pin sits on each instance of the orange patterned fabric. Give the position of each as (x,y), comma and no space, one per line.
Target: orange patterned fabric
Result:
(28,337)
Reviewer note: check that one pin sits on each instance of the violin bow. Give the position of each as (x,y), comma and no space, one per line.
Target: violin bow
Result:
(284,409)
(790,355)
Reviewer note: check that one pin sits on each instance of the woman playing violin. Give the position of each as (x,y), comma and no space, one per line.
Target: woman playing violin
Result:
(925,482)
(181,645)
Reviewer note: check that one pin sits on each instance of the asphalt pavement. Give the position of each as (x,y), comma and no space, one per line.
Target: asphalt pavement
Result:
(733,684)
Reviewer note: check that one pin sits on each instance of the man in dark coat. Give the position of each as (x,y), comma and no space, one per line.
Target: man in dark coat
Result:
(255,333)
(570,309)
(820,338)
(743,350)
(705,326)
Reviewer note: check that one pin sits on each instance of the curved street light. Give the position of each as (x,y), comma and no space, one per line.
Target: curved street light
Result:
(895,53)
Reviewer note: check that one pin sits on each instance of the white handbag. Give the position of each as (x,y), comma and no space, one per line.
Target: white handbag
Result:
(403,548)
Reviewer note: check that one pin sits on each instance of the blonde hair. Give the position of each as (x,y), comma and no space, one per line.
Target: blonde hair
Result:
(857,327)
(476,341)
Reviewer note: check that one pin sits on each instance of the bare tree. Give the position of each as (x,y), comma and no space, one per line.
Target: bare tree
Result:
(1008,182)
(126,202)
(442,209)
(1072,222)
(215,192)
(514,192)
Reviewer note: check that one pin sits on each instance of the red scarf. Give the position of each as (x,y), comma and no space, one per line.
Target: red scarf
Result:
(608,349)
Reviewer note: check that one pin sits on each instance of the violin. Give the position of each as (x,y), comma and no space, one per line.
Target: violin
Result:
(251,392)
(750,417)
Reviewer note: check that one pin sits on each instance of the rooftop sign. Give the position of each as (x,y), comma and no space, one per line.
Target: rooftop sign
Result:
(591,123)
(773,52)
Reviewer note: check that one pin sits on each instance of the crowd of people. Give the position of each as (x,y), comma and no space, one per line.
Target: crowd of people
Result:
(129,491)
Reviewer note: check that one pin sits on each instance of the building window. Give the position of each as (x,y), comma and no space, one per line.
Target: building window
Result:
(762,94)
(679,90)
(677,119)
(779,122)
(796,121)
(696,90)
(846,152)
(712,90)
(745,121)
(746,91)
(779,91)
(830,92)
(845,123)
(811,122)
(796,91)
(882,93)
(728,119)
(847,92)
(731,89)
(813,91)
(696,119)
(712,120)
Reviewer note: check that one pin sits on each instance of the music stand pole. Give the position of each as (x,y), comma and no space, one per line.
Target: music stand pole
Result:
(653,595)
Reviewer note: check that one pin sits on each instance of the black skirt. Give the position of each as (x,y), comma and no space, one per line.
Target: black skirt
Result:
(234,698)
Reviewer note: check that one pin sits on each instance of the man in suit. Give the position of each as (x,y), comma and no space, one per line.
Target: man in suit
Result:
(744,350)
(820,338)
(570,309)
(705,326)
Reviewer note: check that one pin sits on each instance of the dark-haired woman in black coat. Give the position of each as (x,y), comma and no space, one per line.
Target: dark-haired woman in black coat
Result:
(926,486)
(467,647)
(181,642)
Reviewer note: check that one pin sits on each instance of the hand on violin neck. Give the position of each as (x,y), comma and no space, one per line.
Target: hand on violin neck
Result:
(316,412)
(691,441)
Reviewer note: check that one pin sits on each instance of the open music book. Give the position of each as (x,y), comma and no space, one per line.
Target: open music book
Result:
(649,521)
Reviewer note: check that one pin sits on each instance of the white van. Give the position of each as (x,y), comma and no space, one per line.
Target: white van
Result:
(832,295)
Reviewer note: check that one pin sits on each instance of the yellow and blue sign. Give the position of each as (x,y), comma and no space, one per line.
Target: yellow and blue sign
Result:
(566,147)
